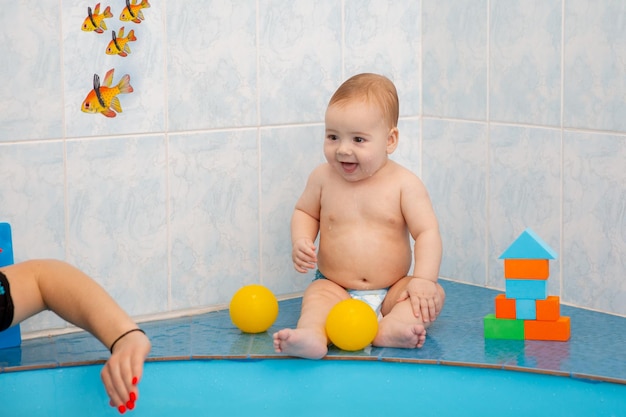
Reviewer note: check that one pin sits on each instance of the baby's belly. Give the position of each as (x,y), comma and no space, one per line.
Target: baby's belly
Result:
(362,265)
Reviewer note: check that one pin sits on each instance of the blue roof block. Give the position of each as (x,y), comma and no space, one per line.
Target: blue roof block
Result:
(529,246)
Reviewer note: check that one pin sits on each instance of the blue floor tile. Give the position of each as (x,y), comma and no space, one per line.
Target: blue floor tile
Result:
(596,348)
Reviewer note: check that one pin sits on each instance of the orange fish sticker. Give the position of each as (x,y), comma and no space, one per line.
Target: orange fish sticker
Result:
(132,11)
(94,22)
(119,44)
(103,99)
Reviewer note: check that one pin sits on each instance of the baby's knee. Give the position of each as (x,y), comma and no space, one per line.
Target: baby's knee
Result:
(442,294)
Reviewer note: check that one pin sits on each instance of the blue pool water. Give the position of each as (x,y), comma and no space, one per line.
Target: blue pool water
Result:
(292,387)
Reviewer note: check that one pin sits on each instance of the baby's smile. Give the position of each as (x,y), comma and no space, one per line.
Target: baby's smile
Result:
(349,167)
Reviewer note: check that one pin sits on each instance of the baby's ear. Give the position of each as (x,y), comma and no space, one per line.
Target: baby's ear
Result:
(392,140)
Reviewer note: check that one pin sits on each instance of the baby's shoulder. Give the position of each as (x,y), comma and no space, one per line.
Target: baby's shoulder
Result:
(322,172)
(403,173)
(320,176)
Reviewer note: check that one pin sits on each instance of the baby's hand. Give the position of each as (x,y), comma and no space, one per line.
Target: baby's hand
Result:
(424,299)
(303,255)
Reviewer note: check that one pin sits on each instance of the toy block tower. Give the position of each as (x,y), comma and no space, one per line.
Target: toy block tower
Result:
(525,311)
(11,337)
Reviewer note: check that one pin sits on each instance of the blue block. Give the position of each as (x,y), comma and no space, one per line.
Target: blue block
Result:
(525,309)
(529,245)
(11,337)
(6,245)
(529,289)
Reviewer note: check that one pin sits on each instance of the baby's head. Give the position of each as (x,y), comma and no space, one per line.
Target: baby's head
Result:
(374,89)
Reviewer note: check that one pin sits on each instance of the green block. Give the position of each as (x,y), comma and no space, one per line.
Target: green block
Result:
(503,328)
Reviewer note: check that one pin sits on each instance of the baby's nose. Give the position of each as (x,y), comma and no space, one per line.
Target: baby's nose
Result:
(344,149)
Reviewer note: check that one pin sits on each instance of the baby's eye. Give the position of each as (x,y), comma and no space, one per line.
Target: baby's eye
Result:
(359,139)
(331,137)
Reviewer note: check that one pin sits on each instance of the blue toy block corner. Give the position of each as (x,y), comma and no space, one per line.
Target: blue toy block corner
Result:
(529,246)
(525,309)
(11,337)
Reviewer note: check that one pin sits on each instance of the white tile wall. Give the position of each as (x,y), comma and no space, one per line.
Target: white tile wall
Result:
(513,113)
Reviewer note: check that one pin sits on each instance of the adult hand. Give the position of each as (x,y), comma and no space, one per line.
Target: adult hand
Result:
(124,369)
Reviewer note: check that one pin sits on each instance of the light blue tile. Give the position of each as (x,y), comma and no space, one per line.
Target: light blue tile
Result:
(594,61)
(455,174)
(32,193)
(299,59)
(594,221)
(31,97)
(525,61)
(117,218)
(214,223)
(383,36)
(211,63)
(455,58)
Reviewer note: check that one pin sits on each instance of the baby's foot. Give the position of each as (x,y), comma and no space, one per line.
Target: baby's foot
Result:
(395,333)
(303,343)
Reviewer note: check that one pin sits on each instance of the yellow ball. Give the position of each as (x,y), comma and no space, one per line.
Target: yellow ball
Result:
(351,325)
(253,308)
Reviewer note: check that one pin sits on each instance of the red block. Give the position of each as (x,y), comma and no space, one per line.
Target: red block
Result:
(505,307)
(547,330)
(549,309)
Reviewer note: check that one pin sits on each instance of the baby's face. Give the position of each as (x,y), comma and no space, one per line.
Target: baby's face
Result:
(357,139)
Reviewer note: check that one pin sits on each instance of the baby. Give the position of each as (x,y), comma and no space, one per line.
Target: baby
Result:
(364,206)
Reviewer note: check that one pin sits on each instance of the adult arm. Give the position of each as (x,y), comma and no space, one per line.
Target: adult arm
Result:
(54,285)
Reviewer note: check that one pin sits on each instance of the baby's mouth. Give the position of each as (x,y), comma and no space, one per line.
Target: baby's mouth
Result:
(349,167)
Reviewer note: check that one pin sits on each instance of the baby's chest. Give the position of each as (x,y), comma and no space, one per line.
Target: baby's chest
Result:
(344,210)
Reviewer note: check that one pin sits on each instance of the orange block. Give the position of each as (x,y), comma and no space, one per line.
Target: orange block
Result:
(547,330)
(526,268)
(548,309)
(505,307)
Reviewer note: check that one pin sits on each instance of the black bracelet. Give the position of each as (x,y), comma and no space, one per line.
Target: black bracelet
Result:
(124,334)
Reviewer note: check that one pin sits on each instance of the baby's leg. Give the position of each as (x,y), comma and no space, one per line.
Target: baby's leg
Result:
(399,327)
(309,339)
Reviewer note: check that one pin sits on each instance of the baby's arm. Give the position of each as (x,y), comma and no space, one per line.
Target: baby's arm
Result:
(424,227)
(303,232)
(305,224)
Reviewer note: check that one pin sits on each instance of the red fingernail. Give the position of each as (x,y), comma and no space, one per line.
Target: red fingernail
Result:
(121,409)
(133,397)
(130,405)
(135,380)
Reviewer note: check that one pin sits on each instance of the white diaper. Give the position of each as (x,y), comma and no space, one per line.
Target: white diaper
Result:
(373,298)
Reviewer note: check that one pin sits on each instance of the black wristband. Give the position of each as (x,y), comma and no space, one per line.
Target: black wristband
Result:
(124,334)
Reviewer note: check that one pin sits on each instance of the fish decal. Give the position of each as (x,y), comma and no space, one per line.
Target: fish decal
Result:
(103,99)
(94,22)
(132,11)
(119,44)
